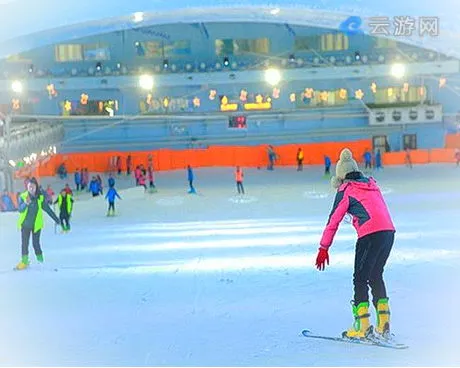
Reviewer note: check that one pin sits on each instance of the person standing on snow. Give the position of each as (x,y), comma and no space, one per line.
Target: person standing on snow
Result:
(327,165)
(110,196)
(77,178)
(190,178)
(299,159)
(65,204)
(151,178)
(239,180)
(360,197)
(32,203)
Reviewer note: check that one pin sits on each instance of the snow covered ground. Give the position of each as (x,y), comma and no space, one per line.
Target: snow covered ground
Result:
(211,279)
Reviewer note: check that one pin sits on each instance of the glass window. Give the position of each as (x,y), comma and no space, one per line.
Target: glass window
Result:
(68,52)
(385,43)
(152,49)
(177,48)
(334,42)
(397,95)
(96,52)
(306,43)
(226,47)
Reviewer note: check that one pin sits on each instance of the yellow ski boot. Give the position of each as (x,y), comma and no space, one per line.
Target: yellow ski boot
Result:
(383,318)
(23,264)
(361,327)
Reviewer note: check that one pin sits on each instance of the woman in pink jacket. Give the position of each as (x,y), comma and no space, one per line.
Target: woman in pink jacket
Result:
(361,198)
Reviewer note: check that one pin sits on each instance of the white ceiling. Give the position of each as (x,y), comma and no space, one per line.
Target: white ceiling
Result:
(26,24)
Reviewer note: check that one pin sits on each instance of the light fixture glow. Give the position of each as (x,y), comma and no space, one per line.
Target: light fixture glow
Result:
(16,86)
(146,82)
(272,76)
(138,17)
(398,70)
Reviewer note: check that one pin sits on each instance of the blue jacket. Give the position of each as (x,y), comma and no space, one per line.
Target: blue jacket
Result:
(367,157)
(111,194)
(111,182)
(77,178)
(327,161)
(190,174)
(94,187)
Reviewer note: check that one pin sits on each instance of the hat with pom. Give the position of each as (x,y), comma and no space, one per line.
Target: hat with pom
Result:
(345,165)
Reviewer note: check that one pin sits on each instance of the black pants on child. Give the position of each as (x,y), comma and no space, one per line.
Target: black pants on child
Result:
(65,223)
(372,252)
(190,183)
(25,237)
(299,164)
(111,206)
(367,165)
(327,170)
(239,187)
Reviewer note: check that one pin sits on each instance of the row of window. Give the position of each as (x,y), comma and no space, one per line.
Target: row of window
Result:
(223,47)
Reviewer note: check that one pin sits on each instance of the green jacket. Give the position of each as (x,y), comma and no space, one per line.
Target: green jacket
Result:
(69,203)
(31,215)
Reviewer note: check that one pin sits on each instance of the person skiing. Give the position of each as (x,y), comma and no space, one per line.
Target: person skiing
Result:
(31,206)
(49,194)
(99,181)
(457,156)
(367,160)
(94,187)
(137,174)
(190,178)
(128,165)
(110,196)
(327,165)
(119,165)
(408,159)
(141,180)
(271,157)
(65,204)
(239,180)
(151,178)
(77,178)
(300,159)
(360,197)
(378,160)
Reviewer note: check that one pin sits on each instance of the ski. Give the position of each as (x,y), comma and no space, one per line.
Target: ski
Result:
(370,341)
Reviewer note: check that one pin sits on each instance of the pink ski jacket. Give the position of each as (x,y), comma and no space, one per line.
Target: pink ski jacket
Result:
(362,199)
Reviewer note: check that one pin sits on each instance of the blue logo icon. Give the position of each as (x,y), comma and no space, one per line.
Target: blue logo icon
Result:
(351,25)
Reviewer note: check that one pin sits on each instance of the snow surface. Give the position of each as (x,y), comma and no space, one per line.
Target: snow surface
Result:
(210,279)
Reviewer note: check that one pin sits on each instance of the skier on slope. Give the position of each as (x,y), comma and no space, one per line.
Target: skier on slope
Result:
(190,177)
(65,203)
(110,196)
(32,203)
(360,197)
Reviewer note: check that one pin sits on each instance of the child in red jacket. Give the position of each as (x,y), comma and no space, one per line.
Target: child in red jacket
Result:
(361,198)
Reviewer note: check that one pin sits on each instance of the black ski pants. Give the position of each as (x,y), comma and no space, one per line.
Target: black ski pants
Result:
(372,252)
(25,237)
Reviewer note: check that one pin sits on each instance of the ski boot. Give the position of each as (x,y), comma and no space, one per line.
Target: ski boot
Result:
(383,319)
(361,328)
(23,264)
(39,258)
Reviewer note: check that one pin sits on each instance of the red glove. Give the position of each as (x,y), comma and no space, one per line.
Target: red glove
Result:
(321,259)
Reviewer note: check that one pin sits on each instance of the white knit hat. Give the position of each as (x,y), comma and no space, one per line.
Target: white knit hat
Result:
(344,166)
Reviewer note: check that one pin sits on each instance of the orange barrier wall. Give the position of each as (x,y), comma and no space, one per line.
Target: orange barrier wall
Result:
(245,156)
(168,159)
(436,155)
(453,140)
